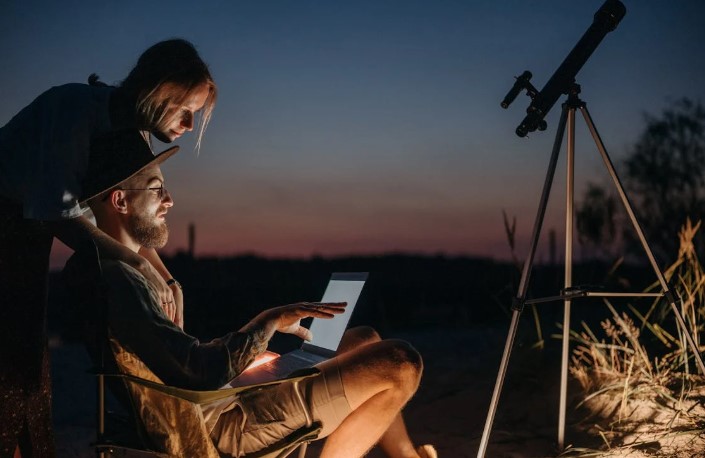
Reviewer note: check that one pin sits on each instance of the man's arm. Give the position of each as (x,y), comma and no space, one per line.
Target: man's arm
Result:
(178,359)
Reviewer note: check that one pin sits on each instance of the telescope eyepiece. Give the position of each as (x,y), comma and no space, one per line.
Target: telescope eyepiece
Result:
(522,82)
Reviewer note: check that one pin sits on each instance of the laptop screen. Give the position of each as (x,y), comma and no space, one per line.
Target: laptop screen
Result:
(342,287)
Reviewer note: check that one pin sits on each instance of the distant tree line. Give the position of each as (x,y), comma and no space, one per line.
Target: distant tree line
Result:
(664,177)
(404,292)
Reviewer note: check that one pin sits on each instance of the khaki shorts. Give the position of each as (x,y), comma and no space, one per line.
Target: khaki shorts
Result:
(274,413)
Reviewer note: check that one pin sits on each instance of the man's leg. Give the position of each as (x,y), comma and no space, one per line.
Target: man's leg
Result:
(395,442)
(358,398)
(378,378)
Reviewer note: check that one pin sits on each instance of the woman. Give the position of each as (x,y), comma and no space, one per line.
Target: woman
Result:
(44,151)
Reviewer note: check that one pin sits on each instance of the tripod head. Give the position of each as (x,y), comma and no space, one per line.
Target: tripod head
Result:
(605,20)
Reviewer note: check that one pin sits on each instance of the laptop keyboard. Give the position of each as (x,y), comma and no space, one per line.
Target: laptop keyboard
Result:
(290,362)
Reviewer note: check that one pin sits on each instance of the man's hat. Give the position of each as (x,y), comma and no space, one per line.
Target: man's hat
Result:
(117,156)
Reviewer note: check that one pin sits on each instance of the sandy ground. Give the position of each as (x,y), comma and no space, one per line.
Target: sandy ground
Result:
(449,410)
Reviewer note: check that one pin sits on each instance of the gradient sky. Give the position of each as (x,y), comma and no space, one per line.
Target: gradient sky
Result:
(367,126)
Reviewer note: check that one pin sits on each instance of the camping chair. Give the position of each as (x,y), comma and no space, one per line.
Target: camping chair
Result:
(107,446)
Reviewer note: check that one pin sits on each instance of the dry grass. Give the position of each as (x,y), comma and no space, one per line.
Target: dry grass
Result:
(646,402)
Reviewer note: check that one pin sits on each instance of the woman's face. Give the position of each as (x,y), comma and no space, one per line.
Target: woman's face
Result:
(179,117)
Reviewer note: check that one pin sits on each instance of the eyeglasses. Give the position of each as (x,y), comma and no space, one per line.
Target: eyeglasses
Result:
(160,190)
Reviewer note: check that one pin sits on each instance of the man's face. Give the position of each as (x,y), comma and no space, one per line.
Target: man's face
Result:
(180,117)
(146,217)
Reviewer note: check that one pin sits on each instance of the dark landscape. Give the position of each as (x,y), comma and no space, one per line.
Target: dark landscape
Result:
(454,310)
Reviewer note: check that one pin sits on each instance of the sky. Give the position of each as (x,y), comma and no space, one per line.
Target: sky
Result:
(368,127)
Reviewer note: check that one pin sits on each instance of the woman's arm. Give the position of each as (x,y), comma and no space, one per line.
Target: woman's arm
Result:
(81,235)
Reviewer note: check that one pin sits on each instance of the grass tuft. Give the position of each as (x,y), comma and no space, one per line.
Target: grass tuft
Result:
(646,401)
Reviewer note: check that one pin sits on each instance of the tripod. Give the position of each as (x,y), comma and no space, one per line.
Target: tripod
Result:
(569,293)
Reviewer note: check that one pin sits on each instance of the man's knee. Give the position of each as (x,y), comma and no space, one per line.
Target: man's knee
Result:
(391,366)
(405,364)
(364,334)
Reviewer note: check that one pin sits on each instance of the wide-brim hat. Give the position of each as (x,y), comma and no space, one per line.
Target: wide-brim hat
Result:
(117,156)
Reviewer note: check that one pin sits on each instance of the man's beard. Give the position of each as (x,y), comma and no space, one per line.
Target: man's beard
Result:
(148,232)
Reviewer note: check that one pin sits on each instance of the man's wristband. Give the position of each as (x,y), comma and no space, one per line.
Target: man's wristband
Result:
(173,281)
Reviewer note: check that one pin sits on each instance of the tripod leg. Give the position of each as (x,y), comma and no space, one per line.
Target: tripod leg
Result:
(625,200)
(568,276)
(498,384)
(518,304)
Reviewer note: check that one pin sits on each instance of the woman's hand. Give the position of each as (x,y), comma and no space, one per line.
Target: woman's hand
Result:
(179,305)
(166,295)
(174,309)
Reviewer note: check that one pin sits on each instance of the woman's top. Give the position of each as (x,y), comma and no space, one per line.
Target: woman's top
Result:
(44,149)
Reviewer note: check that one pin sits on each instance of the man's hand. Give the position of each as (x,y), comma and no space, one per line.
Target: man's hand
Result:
(287,318)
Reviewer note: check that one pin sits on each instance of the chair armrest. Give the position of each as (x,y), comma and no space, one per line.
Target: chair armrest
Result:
(207,396)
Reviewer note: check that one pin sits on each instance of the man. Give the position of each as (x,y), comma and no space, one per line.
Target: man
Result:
(357,396)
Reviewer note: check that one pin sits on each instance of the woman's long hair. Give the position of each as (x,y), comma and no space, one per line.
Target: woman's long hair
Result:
(165,75)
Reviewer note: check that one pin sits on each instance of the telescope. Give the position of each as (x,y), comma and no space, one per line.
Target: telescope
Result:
(605,20)
(563,82)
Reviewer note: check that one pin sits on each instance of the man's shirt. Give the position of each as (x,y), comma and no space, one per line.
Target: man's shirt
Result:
(145,343)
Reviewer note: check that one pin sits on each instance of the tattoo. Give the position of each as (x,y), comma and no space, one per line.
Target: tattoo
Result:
(244,347)
(259,341)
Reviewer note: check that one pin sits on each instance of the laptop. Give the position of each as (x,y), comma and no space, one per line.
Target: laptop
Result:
(327,333)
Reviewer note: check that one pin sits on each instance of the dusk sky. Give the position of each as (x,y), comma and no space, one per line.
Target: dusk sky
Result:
(367,126)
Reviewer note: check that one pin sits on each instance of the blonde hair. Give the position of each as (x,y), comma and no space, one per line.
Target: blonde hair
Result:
(166,74)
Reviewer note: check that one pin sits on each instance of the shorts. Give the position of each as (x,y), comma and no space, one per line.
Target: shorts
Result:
(273,413)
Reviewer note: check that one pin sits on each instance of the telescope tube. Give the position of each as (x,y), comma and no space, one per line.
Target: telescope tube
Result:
(606,20)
